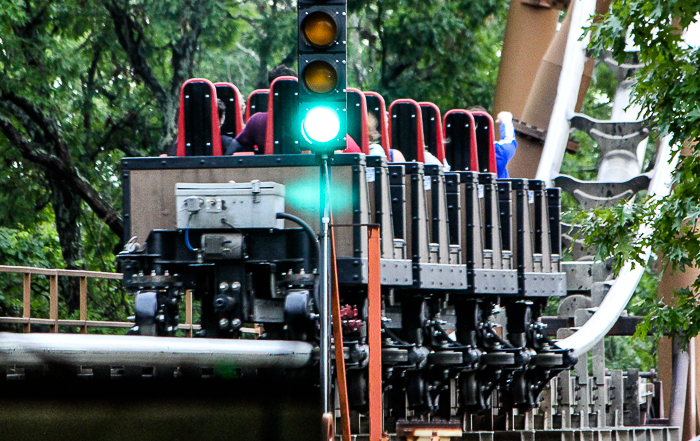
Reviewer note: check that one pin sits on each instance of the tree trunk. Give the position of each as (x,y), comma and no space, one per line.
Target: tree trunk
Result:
(67,208)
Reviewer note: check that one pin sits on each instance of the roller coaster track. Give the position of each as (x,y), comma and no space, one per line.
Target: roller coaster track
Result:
(624,137)
(622,143)
(629,276)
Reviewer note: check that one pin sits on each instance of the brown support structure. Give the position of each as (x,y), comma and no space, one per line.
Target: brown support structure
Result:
(27,301)
(188,312)
(53,302)
(670,282)
(374,332)
(339,350)
(531,97)
(529,31)
(83,304)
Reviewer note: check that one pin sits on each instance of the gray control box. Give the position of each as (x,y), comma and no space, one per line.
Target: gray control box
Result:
(225,205)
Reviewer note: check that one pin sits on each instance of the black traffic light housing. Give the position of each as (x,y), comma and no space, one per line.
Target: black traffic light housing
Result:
(323,72)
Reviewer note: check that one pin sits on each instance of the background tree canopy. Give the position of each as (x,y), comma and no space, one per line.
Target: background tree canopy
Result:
(85,83)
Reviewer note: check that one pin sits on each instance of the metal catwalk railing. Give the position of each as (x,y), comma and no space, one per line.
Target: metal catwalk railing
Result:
(121,350)
(53,321)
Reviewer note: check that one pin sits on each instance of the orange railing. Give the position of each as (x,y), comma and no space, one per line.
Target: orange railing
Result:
(83,323)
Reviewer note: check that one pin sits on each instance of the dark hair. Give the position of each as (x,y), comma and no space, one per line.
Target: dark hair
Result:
(280,71)
(478,109)
(221,107)
(375,135)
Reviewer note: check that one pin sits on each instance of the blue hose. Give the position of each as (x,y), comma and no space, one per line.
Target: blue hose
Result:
(187,237)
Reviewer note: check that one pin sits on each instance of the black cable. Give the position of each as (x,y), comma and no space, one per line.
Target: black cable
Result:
(228,224)
(505,343)
(395,337)
(444,333)
(308,231)
(317,248)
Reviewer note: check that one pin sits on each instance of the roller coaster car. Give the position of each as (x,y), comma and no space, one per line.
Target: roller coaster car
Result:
(467,261)
(247,264)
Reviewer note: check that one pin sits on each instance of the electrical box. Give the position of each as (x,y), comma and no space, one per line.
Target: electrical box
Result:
(252,204)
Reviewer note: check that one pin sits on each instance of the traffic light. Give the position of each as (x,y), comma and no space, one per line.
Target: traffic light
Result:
(322,74)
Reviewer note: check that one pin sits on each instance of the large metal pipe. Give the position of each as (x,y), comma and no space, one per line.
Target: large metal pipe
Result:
(123,350)
(567,91)
(325,307)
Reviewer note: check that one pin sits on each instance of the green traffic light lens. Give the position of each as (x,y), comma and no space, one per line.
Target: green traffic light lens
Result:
(321,124)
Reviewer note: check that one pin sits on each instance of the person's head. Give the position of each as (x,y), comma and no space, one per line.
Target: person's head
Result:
(221,107)
(478,109)
(280,71)
(373,129)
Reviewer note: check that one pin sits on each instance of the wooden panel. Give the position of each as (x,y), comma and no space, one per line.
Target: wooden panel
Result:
(53,302)
(83,303)
(26,300)
(156,189)
(188,311)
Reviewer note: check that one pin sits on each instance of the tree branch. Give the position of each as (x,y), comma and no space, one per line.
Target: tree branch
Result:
(394,73)
(54,164)
(130,37)
(255,24)
(89,86)
(290,58)
(185,48)
(49,128)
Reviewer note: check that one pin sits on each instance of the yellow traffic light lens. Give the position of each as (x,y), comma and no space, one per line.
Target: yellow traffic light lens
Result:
(320,77)
(321,124)
(319,29)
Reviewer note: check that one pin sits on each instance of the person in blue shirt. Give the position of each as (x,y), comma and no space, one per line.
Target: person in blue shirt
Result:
(505,148)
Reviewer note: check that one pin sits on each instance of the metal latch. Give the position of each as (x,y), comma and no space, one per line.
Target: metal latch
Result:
(255,189)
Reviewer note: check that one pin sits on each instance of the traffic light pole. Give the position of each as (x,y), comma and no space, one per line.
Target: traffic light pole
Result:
(322,54)
(325,307)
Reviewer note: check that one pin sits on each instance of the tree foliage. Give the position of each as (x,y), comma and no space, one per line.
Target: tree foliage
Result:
(85,83)
(668,90)
(438,51)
